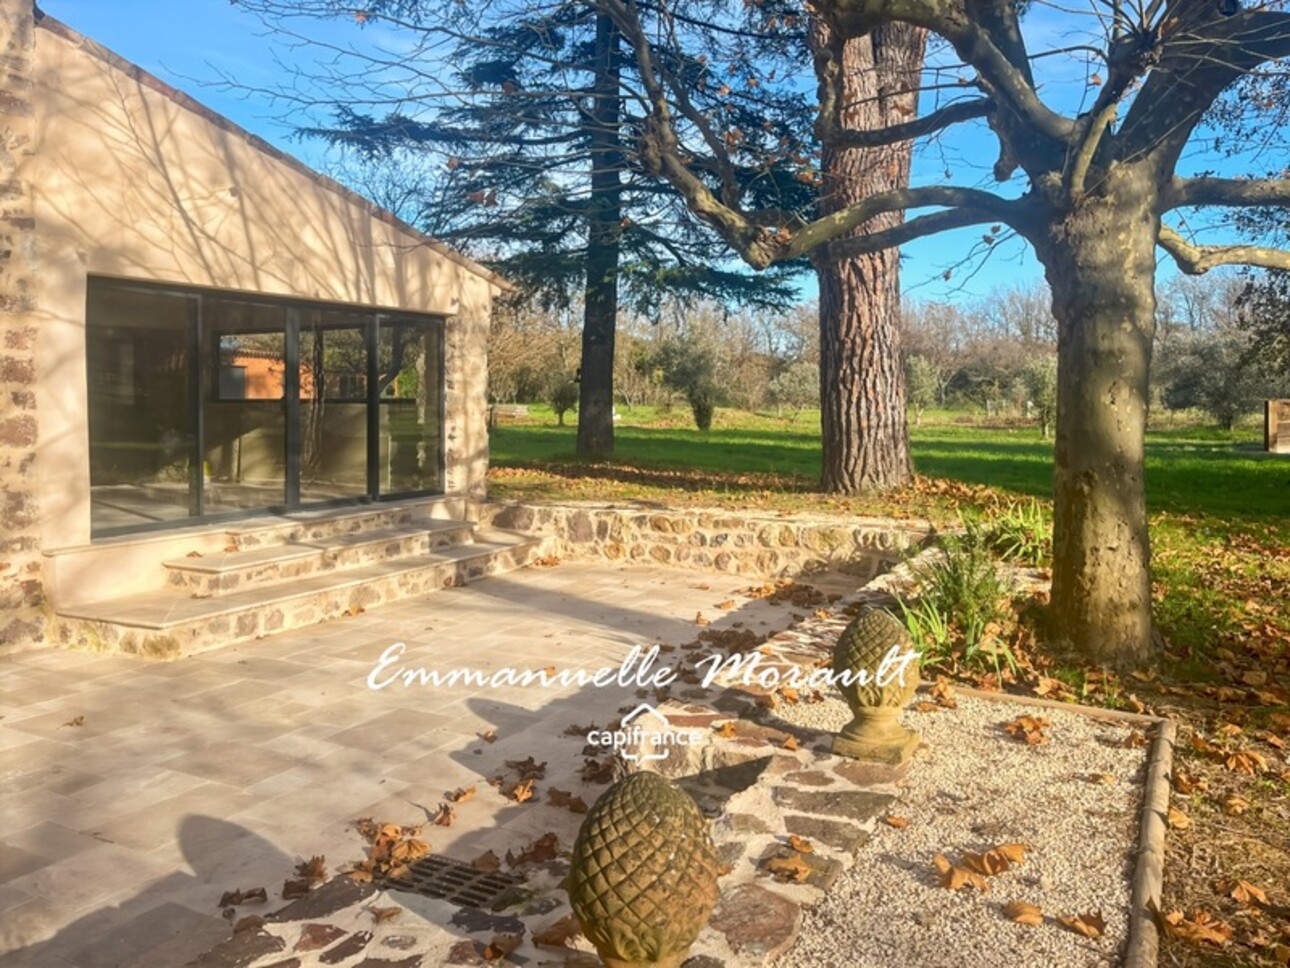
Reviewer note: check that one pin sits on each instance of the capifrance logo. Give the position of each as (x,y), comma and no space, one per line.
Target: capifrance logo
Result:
(644,735)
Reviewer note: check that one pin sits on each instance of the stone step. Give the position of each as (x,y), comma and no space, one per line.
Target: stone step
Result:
(169,624)
(226,572)
(307,526)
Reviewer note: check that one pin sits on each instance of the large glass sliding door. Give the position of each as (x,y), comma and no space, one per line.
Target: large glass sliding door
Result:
(244,406)
(205,405)
(141,369)
(333,405)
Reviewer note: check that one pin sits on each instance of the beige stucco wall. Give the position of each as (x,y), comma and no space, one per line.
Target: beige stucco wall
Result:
(131,180)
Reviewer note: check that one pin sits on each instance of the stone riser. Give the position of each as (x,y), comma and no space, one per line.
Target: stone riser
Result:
(201,584)
(302,531)
(208,633)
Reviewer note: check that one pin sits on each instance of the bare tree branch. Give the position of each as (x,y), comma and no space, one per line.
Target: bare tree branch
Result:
(1227,191)
(1196,260)
(831,131)
(915,228)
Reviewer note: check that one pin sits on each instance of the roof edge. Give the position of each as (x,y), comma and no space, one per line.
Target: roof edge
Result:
(191,104)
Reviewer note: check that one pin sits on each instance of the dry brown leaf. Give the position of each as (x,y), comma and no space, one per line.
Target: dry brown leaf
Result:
(943,695)
(726,730)
(522,791)
(313,870)
(248,923)
(487,862)
(558,934)
(462,794)
(1201,926)
(1235,805)
(562,798)
(74,721)
(1135,740)
(989,863)
(234,898)
(700,620)
(445,815)
(1185,783)
(1023,913)
(1014,853)
(295,889)
(1178,820)
(926,707)
(1088,925)
(1028,729)
(1272,739)
(489,736)
(1104,778)
(891,820)
(788,869)
(529,769)
(382,914)
(953,877)
(540,850)
(801,844)
(727,605)
(1243,892)
(1249,762)
(790,743)
(501,946)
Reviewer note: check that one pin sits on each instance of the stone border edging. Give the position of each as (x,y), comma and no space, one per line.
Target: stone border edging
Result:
(1143,947)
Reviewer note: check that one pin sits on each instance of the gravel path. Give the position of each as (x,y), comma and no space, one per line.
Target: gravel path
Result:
(973,787)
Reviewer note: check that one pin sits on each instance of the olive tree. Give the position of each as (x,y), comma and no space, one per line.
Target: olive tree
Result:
(1092,188)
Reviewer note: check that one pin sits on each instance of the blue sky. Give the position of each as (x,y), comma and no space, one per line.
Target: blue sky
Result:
(191,49)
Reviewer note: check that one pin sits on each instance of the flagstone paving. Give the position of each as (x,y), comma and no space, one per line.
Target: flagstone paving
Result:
(135,793)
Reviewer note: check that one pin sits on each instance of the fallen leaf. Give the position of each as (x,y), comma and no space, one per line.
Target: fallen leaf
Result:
(789,869)
(700,620)
(74,721)
(522,791)
(313,870)
(233,898)
(1014,853)
(1244,892)
(1201,926)
(726,730)
(1104,778)
(462,794)
(540,850)
(1135,740)
(1023,913)
(501,946)
(790,743)
(562,798)
(1185,783)
(943,695)
(489,736)
(926,707)
(953,877)
(1088,925)
(1028,729)
(558,934)
(727,605)
(248,923)
(1235,805)
(529,769)
(891,820)
(445,815)
(1178,820)
(295,889)
(487,862)
(382,914)
(800,844)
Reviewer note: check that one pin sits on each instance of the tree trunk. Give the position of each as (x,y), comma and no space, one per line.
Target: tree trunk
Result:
(1100,263)
(600,315)
(864,427)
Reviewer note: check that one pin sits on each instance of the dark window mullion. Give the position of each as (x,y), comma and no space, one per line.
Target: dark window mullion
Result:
(371,332)
(291,400)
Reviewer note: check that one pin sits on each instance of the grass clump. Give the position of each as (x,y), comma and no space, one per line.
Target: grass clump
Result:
(1022,532)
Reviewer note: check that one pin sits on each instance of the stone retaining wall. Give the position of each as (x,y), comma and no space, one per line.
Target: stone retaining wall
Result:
(737,543)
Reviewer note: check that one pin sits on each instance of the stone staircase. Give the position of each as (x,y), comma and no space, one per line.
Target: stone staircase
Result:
(282,573)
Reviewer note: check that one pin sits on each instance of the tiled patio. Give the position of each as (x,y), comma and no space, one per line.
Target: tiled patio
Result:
(187,779)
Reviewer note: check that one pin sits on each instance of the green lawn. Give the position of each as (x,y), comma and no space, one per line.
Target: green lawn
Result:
(1190,470)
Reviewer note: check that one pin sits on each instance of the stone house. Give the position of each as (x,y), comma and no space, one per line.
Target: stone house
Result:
(234,396)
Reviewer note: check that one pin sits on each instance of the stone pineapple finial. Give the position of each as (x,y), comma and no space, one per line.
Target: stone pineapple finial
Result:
(643,878)
(874,732)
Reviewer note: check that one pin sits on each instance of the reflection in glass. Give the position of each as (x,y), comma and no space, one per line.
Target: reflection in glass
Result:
(244,419)
(333,405)
(410,367)
(138,363)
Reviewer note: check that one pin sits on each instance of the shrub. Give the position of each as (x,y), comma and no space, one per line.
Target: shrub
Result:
(563,399)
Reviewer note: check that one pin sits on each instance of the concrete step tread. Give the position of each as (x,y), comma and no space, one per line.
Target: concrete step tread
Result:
(227,561)
(168,609)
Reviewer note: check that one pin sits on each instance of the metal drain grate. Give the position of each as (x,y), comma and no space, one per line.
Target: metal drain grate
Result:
(451,880)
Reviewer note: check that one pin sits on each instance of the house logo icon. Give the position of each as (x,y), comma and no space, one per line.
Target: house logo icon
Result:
(644,735)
